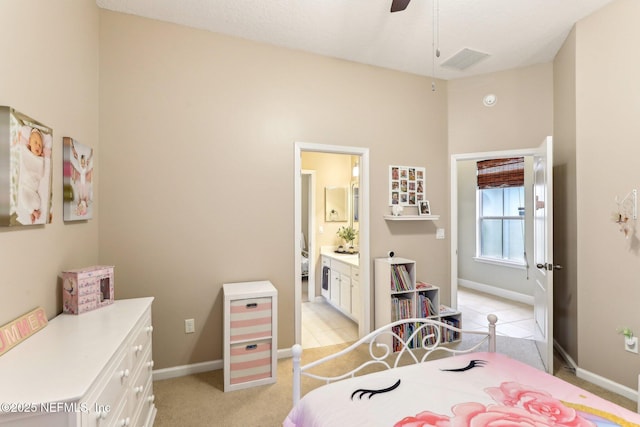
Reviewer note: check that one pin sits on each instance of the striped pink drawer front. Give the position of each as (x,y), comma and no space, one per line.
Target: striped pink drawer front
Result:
(250,319)
(250,362)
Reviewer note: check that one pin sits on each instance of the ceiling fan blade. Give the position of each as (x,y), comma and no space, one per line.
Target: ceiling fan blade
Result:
(399,5)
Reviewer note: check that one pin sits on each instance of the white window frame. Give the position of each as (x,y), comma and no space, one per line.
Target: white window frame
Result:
(490,260)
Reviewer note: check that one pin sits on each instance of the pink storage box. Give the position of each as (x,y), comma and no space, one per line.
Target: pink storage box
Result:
(86,289)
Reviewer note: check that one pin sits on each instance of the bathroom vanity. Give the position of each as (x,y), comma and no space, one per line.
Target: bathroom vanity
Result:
(341,281)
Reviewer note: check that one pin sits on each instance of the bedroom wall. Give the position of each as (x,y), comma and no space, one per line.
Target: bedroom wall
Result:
(522,117)
(197,135)
(607,153)
(565,249)
(49,72)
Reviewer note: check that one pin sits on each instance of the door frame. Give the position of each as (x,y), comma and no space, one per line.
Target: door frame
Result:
(364,323)
(455,158)
(311,221)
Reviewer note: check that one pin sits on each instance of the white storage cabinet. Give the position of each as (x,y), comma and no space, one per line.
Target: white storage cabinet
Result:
(250,334)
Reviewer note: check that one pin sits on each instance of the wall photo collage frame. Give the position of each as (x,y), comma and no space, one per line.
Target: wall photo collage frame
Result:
(407,185)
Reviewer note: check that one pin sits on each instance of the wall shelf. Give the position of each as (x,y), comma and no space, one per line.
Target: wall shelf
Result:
(412,217)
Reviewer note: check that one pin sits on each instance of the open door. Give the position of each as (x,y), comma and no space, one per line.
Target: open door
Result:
(543,251)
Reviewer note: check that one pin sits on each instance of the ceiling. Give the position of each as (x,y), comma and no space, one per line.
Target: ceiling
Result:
(514,33)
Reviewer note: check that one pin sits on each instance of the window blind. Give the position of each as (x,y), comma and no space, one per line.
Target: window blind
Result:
(501,173)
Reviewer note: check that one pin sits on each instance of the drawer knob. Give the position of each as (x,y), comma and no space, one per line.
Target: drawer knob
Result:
(151,398)
(124,374)
(125,422)
(137,348)
(138,390)
(149,330)
(150,364)
(101,415)
(252,305)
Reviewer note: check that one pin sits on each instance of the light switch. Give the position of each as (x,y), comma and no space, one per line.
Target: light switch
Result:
(440,233)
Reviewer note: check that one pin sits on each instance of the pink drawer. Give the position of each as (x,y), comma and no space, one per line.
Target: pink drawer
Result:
(250,319)
(250,361)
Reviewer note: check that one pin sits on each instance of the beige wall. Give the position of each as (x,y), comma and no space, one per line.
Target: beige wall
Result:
(607,152)
(50,72)
(565,281)
(198,134)
(522,117)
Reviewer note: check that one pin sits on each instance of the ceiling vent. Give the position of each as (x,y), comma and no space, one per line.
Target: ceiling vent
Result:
(464,59)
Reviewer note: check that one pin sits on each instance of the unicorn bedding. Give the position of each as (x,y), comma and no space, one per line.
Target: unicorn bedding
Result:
(476,389)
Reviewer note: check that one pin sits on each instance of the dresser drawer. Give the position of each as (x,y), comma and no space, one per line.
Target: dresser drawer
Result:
(250,319)
(142,416)
(102,408)
(141,341)
(139,381)
(250,361)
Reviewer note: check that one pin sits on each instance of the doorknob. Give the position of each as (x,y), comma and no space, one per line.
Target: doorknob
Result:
(547,266)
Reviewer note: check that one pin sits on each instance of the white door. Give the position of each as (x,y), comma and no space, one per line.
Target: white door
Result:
(543,251)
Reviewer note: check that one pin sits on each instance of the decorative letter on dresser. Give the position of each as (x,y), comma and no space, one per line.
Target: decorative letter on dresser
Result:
(250,334)
(92,369)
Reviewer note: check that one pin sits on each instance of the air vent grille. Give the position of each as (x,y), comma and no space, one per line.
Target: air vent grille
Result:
(464,59)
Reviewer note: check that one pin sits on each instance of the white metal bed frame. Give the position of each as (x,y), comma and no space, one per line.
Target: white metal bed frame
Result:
(431,342)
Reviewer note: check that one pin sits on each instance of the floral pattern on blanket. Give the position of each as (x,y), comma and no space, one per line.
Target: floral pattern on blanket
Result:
(516,405)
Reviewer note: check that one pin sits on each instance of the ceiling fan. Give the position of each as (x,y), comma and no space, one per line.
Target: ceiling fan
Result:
(399,5)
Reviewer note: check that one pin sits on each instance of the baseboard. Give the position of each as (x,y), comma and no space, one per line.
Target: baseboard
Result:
(499,292)
(598,380)
(196,368)
(184,370)
(607,384)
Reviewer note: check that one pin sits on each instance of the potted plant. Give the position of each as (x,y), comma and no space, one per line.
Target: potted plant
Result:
(348,234)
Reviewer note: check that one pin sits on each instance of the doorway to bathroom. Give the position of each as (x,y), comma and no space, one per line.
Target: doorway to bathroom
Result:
(316,221)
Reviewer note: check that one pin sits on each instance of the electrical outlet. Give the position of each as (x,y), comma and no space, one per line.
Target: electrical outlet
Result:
(631,344)
(189,326)
(439,233)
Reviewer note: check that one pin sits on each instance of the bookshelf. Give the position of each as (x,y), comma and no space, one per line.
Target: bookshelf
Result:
(398,295)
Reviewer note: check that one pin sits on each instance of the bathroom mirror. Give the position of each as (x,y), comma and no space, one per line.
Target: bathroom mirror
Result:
(335,204)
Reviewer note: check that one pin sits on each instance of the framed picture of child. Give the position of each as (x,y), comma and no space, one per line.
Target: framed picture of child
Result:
(77,201)
(25,168)
(424,208)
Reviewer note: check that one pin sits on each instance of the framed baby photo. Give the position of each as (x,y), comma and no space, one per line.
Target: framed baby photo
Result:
(25,169)
(77,201)
(424,208)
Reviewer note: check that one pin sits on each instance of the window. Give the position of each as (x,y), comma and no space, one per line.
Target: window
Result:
(501,224)
(500,214)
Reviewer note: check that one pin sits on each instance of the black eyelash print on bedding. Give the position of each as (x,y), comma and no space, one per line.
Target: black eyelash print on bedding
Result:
(476,363)
(362,392)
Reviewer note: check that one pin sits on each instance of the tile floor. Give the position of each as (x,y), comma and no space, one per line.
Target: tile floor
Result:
(515,319)
(323,325)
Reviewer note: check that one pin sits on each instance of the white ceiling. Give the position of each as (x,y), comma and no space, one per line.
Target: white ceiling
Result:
(515,33)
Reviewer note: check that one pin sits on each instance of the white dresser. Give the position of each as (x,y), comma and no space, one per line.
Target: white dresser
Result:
(92,369)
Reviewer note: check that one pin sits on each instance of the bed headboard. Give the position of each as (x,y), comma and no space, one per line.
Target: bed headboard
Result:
(392,345)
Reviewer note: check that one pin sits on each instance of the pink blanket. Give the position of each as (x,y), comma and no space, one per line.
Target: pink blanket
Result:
(477,389)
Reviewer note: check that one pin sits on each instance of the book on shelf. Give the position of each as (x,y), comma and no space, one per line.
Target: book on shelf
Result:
(426,305)
(400,278)
(401,308)
(444,310)
(423,285)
